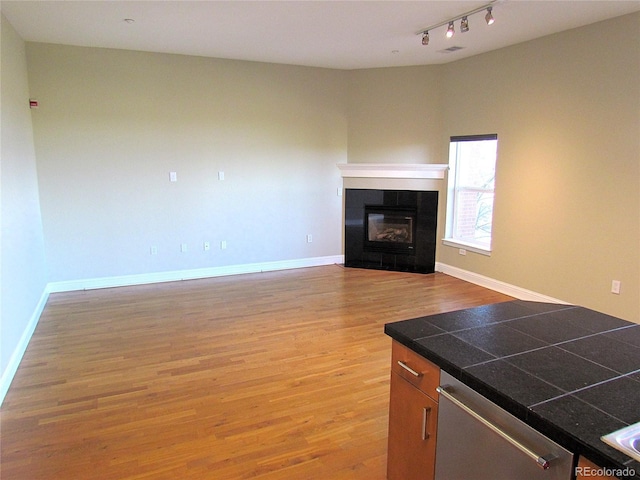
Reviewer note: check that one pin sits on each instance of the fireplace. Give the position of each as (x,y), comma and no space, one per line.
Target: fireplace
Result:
(391,229)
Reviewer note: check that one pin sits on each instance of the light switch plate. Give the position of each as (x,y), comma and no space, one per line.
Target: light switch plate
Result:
(615,287)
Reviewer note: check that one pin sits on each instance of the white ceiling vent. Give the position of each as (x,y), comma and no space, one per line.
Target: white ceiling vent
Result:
(450,49)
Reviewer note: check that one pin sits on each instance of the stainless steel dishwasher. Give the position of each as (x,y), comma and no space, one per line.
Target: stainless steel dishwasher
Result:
(477,440)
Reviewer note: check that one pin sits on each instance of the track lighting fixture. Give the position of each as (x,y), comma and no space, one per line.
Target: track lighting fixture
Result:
(464,22)
(451,31)
(464,25)
(489,17)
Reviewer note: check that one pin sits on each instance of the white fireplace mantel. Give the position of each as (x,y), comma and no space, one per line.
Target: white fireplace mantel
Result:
(392,170)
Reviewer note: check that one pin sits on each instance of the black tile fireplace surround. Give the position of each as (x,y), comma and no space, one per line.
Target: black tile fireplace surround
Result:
(409,242)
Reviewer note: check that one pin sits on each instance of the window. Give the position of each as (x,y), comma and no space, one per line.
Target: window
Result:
(472,169)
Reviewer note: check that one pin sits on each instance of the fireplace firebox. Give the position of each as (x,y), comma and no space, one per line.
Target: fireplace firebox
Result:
(391,229)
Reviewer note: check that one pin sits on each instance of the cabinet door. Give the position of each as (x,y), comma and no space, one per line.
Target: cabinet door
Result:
(413,418)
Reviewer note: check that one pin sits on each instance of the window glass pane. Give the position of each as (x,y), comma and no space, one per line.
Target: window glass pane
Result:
(476,164)
(474,212)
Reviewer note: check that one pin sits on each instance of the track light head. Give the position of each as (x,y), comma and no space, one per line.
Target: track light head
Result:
(489,17)
(464,25)
(450,31)
(464,22)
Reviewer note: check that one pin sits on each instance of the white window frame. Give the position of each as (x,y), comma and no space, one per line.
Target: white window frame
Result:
(453,189)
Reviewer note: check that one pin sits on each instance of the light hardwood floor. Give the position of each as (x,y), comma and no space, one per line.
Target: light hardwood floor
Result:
(278,375)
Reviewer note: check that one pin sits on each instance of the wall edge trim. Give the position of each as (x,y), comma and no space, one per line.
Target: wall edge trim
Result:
(18,352)
(193,274)
(497,285)
(129,280)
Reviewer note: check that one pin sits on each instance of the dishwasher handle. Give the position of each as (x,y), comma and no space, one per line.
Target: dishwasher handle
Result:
(541,461)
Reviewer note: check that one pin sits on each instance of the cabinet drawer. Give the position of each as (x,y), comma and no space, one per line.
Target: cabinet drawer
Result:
(415,369)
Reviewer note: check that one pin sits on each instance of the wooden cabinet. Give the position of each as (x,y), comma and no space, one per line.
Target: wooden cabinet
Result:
(413,419)
(413,416)
(589,470)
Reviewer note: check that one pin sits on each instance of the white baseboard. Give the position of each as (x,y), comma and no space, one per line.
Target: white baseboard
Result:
(497,285)
(178,275)
(18,352)
(127,280)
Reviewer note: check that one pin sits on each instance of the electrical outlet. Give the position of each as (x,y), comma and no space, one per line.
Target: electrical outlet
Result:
(615,287)
(183,247)
(462,251)
(309,238)
(154,250)
(173,176)
(223,245)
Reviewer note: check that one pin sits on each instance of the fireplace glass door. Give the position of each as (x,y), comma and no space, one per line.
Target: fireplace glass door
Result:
(389,229)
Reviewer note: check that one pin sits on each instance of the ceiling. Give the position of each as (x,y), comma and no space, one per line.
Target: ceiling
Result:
(331,33)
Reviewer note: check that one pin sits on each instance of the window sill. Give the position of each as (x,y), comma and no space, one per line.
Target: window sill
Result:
(467,246)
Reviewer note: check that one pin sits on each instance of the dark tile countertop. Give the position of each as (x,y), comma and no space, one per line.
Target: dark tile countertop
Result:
(570,372)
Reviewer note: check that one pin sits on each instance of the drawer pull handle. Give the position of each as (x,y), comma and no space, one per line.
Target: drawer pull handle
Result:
(409,369)
(541,461)
(425,414)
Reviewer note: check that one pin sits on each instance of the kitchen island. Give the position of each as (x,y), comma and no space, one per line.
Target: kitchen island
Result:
(571,373)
